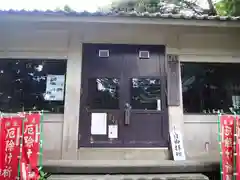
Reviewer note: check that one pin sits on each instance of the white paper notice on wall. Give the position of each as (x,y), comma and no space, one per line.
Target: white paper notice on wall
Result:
(55,88)
(113,131)
(99,123)
(177,145)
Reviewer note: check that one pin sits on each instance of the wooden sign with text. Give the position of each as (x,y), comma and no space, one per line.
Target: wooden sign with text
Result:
(177,145)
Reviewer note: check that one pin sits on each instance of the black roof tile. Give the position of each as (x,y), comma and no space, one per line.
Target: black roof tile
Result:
(121,14)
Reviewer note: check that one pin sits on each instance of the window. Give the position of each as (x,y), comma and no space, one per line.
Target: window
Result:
(103,93)
(210,87)
(24,87)
(146,93)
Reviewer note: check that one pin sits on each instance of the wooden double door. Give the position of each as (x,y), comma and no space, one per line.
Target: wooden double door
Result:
(127,83)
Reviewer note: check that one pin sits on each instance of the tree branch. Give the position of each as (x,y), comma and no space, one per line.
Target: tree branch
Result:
(212,10)
(193,6)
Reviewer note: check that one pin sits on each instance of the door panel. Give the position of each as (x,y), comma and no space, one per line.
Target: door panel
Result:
(95,66)
(113,118)
(148,113)
(130,89)
(141,67)
(100,94)
(145,130)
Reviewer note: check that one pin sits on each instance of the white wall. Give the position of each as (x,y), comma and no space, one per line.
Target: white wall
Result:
(201,136)
(63,40)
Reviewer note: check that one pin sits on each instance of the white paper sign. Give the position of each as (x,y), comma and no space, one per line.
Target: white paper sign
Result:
(99,123)
(113,131)
(159,104)
(177,145)
(55,88)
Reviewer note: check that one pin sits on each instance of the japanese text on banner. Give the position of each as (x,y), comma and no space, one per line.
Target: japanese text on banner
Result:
(177,145)
(1,149)
(227,142)
(237,148)
(31,145)
(10,149)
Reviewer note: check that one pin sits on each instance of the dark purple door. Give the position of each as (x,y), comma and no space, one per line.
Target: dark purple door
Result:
(128,83)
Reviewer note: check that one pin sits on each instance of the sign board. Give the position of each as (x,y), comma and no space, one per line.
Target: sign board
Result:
(177,145)
(55,88)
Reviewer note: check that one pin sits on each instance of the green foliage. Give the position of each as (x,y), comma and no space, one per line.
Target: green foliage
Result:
(132,5)
(228,7)
(66,8)
(43,175)
(162,6)
(222,7)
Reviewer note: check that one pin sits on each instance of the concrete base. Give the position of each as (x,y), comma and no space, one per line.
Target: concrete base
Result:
(123,154)
(131,177)
(130,167)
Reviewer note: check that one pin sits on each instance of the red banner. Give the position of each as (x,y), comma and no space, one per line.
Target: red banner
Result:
(11,128)
(227,139)
(1,150)
(31,147)
(238,148)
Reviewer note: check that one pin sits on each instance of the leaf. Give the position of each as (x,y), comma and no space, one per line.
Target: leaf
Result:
(228,7)
(221,8)
(41,173)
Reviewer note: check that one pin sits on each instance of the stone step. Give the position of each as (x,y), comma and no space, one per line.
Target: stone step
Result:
(129,167)
(131,177)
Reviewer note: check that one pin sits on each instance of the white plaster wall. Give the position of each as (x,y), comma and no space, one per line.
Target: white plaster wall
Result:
(64,40)
(201,136)
(52,130)
(26,37)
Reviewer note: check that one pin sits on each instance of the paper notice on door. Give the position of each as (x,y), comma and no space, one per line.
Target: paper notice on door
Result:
(159,104)
(113,131)
(99,123)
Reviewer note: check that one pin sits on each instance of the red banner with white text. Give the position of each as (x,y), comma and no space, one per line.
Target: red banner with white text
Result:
(1,150)
(31,147)
(227,139)
(11,128)
(237,148)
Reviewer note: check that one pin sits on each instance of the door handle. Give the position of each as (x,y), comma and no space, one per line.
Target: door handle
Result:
(127,113)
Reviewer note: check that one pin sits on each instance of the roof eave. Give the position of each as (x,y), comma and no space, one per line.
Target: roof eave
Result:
(118,20)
